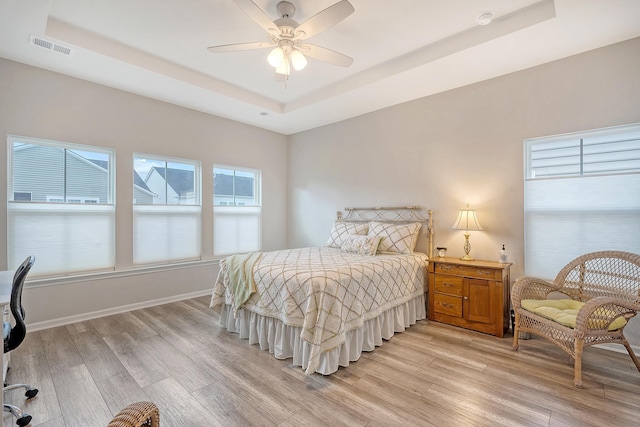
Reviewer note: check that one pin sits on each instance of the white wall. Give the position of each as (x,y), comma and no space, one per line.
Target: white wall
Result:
(42,104)
(465,145)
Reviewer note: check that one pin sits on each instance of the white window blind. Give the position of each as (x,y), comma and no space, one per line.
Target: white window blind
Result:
(582,194)
(56,223)
(167,211)
(237,211)
(166,233)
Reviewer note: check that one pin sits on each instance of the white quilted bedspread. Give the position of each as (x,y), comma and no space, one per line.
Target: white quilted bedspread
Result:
(328,293)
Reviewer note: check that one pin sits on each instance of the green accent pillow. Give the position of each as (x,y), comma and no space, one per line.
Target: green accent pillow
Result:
(563,311)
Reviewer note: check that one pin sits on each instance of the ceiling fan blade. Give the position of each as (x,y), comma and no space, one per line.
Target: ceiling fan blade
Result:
(255,13)
(325,19)
(239,46)
(325,55)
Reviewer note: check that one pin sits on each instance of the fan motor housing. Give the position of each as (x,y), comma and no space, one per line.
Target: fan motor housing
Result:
(285,9)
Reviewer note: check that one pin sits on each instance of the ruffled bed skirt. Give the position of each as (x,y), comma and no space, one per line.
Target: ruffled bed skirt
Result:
(284,341)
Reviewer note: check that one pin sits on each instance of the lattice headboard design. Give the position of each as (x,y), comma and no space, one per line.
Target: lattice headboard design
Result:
(398,215)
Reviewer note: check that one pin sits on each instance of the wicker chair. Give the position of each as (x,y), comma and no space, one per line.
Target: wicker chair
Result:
(608,283)
(137,414)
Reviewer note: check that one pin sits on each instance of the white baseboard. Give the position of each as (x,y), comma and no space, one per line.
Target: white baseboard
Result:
(37,326)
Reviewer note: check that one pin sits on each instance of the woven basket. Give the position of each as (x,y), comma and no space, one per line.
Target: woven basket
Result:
(137,414)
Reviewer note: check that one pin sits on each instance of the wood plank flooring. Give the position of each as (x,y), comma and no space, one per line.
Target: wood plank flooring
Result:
(433,374)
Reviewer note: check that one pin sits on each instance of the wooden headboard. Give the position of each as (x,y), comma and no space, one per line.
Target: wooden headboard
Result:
(400,215)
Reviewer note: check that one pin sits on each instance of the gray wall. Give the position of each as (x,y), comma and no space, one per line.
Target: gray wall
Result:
(441,152)
(461,146)
(41,104)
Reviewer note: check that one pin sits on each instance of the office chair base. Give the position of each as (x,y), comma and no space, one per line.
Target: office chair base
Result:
(29,391)
(22,419)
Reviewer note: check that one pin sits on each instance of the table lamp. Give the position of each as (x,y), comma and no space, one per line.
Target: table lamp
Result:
(467,221)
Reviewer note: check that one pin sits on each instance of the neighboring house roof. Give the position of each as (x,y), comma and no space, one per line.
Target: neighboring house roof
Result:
(139,182)
(102,163)
(137,179)
(180,180)
(223,185)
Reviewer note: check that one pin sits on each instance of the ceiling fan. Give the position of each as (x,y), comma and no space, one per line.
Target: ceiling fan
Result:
(287,37)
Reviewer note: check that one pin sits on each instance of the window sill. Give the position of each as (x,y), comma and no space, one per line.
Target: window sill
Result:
(112,274)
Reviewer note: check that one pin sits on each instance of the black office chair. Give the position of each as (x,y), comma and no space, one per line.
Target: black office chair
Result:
(13,337)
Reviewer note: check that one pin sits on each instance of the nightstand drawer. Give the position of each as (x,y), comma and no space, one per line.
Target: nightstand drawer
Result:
(447,304)
(469,271)
(451,285)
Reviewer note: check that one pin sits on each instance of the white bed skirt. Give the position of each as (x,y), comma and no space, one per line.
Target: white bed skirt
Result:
(284,341)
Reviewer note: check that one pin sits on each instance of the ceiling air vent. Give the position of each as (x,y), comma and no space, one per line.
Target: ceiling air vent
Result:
(49,45)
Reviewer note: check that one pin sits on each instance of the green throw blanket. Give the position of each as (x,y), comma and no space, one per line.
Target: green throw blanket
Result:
(240,273)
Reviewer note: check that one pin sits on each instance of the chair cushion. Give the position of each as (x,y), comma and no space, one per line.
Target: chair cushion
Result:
(563,311)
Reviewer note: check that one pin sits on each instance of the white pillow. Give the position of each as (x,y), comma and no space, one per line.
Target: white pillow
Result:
(395,238)
(341,230)
(361,245)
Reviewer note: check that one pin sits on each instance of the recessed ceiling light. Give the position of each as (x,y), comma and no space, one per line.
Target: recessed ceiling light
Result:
(485,18)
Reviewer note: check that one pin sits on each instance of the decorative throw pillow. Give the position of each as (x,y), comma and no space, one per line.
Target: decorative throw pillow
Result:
(361,245)
(395,238)
(341,230)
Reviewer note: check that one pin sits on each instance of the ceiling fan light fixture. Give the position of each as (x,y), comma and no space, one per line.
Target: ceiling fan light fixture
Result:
(276,57)
(284,68)
(298,60)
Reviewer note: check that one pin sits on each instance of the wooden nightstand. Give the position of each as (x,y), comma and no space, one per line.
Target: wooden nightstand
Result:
(470,294)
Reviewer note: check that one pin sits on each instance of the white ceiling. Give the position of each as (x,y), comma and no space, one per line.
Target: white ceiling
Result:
(402,50)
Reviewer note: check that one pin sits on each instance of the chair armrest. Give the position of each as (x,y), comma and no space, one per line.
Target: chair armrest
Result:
(531,288)
(600,312)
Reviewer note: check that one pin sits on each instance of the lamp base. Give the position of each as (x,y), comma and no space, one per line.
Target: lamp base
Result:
(467,248)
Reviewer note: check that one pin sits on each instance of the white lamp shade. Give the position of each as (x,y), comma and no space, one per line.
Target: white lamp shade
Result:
(284,68)
(276,57)
(467,220)
(298,60)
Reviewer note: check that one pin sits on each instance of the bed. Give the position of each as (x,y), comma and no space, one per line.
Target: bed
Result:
(323,306)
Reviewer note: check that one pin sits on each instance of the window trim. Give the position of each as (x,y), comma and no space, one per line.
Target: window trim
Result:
(142,210)
(588,209)
(257,184)
(241,207)
(111,194)
(197,185)
(107,208)
(573,136)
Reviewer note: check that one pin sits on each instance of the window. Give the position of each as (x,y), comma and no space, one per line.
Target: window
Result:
(237,211)
(582,194)
(60,206)
(167,210)
(22,196)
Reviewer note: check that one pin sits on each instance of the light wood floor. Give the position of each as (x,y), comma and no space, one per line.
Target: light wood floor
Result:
(199,375)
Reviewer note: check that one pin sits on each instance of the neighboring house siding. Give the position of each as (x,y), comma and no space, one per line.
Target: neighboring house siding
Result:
(223,188)
(157,185)
(142,197)
(40,171)
(87,180)
(30,164)
(180,188)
